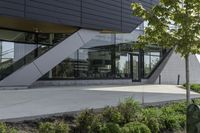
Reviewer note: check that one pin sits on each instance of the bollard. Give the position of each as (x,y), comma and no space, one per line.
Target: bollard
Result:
(178,80)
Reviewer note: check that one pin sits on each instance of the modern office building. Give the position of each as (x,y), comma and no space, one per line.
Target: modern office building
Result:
(68,42)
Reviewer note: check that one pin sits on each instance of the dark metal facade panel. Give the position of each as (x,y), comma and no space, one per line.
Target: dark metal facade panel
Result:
(130,22)
(102,14)
(113,15)
(58,11)
(12,8)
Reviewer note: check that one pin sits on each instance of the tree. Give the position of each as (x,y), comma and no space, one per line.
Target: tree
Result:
(172,24)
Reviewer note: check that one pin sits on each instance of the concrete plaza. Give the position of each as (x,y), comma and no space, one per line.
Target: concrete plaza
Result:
(26,103)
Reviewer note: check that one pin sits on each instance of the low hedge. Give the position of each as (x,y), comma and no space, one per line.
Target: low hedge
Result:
(127,117)
(5,129)
(55,127)
(135,127)
(130,117)
(151,117)
(194,87)
(110,128)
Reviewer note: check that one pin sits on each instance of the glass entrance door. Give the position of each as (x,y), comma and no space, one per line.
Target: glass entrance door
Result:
(135,68)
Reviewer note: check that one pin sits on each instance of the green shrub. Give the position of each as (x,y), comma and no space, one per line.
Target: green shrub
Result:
(172,123)
(61,127)
(130,110)
(111,114)
(167,110)
(178,107)
(197,101)
(84,120)
(182,120)
(46,127)
(197,86)
(151,117)
(5,129)
(171,120)
(194,87)
(88,121)
(96,124)
(111,128)
(135,127)
(12,130)
(55,127)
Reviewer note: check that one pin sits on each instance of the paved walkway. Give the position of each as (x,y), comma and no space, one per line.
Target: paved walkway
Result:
(43,101)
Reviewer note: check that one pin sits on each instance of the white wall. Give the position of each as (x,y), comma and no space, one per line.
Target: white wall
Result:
(176,66)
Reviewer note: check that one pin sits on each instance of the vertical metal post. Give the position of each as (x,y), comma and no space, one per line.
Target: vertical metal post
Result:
(140,66)
(131,65)
(113,55)
(37,42)
(178,80)
(142,95)
(142,63)
(77,65)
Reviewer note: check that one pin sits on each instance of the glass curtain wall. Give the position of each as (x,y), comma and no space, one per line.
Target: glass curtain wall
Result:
(18,48)
(150,61)
(122,60)
(104,62)
(31,37)
(106,56)
(86,63)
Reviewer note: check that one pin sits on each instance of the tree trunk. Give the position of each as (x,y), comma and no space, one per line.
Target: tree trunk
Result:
(187,79)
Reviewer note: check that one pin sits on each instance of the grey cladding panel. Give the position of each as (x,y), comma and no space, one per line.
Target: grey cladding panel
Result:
(129,22)
(95,14)
(60,11)
(12,8)
(102,13)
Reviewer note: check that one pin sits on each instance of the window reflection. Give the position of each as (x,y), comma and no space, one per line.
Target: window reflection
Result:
(123,61)
(66,69)
(32,37)
(100,63)
(104,62)
(135,61)
(7,51)
(150,61)
(86,63)
(101,59)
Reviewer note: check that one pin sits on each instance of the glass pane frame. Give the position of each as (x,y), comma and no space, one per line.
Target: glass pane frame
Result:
(135,67)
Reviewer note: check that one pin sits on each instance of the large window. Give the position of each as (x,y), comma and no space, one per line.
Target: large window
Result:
(100,63)
(18,48)
(31,37)
(93,63)
(66,69)
(150,61)
(123,61)
(106,56)
(105,62)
